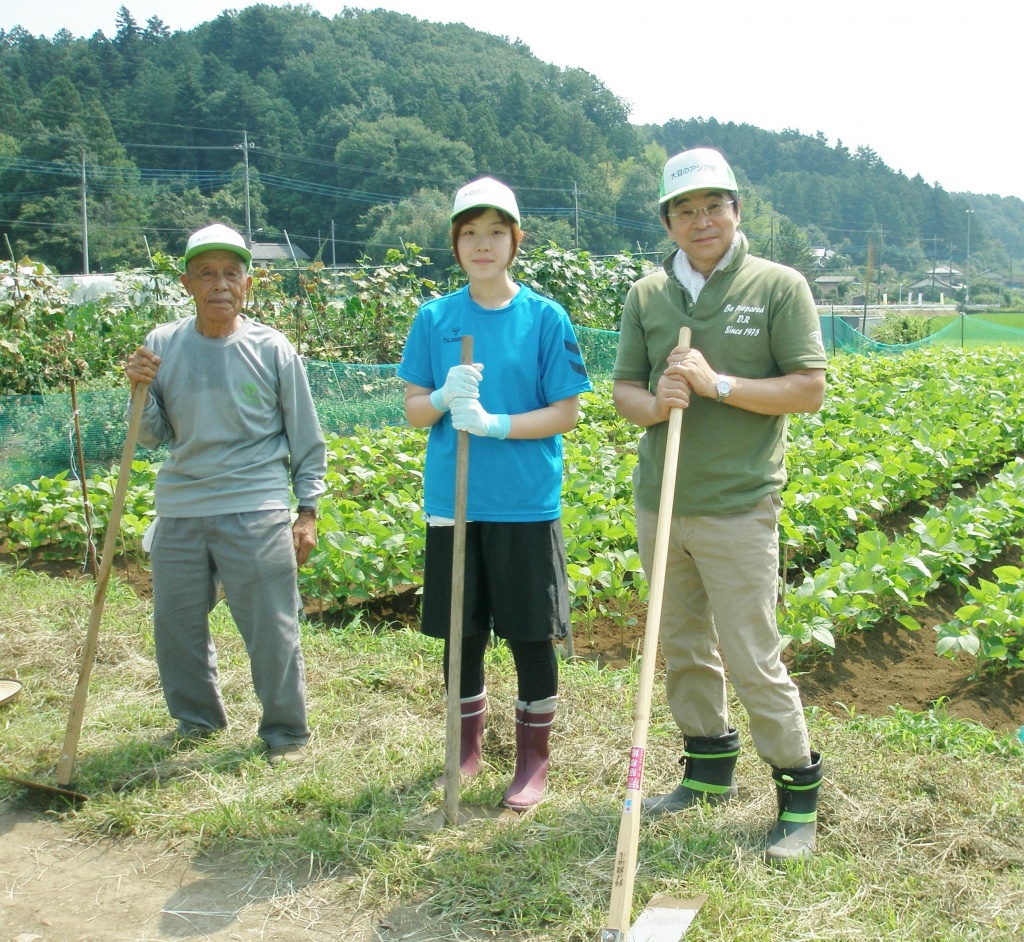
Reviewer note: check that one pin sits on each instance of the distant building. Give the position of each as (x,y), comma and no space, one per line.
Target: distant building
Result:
(821,256)
(269,254)
(828,285)
(942,279)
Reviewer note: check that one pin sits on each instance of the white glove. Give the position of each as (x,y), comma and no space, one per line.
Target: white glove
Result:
(469,416)
(462,381)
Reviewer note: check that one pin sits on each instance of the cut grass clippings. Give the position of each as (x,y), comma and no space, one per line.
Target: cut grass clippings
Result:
(921,830)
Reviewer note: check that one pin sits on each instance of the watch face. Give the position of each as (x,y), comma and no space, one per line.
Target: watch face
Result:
(724,387)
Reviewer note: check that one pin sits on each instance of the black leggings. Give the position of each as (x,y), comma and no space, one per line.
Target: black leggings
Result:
(536,667)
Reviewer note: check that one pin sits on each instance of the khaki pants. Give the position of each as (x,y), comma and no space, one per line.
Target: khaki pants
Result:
(721,586)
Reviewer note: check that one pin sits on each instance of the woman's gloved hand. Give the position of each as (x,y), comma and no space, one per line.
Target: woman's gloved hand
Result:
(469,416)
(462,382)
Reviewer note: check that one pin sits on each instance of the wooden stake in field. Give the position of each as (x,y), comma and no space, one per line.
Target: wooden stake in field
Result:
(86,506)
(665,919)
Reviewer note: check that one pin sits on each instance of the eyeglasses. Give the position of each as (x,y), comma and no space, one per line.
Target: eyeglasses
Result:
(714,210)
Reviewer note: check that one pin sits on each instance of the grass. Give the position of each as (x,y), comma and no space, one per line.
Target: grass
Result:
(921,818)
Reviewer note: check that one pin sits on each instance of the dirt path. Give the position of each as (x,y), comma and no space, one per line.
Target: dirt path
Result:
(56,888)
(60,889)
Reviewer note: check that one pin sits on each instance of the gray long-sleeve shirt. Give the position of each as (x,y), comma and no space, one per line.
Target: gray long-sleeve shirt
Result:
(238,416)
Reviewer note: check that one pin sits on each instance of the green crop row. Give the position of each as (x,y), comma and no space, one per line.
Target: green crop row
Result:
(894,431)
(853,589)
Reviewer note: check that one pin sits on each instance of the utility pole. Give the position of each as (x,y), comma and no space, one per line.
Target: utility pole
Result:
(576,212)
(867,283)
(949,269)
(245,159)
(334,261)
(881,250)
(85,222)
(935,255)
(967,274)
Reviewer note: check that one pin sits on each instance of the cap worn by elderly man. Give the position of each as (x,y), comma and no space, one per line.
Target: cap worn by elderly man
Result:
(214,237)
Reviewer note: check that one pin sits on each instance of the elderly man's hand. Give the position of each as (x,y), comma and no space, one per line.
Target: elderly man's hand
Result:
(304,536)
(142,366)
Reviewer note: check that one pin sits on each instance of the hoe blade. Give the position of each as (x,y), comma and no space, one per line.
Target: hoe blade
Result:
(665,919)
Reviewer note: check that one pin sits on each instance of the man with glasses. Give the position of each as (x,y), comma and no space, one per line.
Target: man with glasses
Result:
(755,357)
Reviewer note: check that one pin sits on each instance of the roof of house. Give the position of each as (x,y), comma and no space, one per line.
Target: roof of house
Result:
(276,252)
(943,283)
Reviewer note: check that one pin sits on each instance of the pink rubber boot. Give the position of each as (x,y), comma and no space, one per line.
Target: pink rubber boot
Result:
(474,717)
(533,730)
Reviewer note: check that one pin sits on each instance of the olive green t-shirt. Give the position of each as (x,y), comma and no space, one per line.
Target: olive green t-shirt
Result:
(753,319)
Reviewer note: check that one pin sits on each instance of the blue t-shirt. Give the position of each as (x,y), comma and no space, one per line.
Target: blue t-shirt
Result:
(531,359)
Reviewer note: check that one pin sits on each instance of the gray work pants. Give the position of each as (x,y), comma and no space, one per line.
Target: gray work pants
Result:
(253,557)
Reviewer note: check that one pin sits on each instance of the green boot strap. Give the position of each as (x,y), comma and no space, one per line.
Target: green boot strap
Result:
(706,787)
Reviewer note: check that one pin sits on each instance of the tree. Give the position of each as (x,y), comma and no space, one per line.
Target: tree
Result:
(421,220)
(128,41)
(543,230)
(156,31)
(792,247)
(381,161)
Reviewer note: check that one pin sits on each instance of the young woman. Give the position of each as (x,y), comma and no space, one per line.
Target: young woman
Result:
(515,401)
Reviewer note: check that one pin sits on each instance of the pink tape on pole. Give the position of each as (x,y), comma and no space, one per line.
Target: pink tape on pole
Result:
(636,768)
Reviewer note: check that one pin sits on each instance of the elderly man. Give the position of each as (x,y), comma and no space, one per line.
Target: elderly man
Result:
(230,398)
(756,356)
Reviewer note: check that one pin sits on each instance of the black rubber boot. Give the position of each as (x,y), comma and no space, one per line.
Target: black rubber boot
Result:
(794,833)
(708,765)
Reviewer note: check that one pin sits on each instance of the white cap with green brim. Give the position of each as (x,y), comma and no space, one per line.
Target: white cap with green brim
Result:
(486,192)
(214,237)
(701,168)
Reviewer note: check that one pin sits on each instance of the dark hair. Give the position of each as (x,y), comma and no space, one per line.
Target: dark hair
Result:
(475,212)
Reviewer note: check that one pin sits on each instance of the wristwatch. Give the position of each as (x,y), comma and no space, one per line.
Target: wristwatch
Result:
(723,387)
(311,511)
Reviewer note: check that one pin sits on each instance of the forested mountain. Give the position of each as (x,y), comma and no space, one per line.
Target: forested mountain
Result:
(351,133)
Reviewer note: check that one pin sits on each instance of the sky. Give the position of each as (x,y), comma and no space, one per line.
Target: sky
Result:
(934,88)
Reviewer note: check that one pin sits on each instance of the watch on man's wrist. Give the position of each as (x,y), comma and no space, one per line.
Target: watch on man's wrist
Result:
(309,511)
(722,388)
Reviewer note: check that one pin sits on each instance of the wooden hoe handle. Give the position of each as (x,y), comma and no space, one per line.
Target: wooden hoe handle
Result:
(629,824)
(74,730)
(453,726)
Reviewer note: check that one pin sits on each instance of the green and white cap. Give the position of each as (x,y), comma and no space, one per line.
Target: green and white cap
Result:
(701,168)
(213,237)
(486,192)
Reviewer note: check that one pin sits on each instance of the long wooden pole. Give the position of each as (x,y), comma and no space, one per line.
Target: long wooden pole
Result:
(626,848)
(453,727)
(74,730)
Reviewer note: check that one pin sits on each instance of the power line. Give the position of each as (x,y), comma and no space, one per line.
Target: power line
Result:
(99,174)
